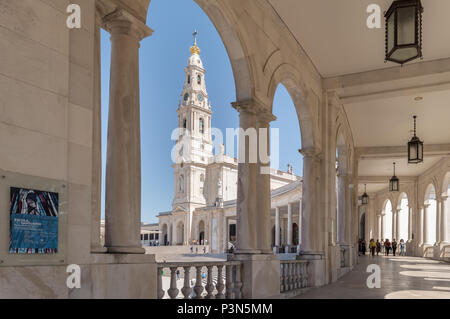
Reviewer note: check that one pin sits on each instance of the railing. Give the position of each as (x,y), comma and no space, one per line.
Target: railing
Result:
(293,275)
(223,280)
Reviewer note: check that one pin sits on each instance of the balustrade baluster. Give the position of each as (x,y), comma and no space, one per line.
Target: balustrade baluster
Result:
(160,291)
(220,286)
(173,291)
(198,289)
(186,290)
(229,291)
(238,282)
(209,286)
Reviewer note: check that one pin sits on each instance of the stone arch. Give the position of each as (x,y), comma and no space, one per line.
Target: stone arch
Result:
(225,23)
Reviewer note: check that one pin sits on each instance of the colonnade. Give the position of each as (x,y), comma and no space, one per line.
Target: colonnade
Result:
(290,223)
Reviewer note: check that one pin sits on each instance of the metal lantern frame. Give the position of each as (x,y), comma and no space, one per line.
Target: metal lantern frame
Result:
(415,147)
(394,183)
(365,197)
(394,9)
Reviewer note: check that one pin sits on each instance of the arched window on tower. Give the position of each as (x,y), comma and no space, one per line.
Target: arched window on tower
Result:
(181,184)
(202,126)
(184,123)
(189,79)
(199,79)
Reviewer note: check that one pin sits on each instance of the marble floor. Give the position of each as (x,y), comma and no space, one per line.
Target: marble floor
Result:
(401,278)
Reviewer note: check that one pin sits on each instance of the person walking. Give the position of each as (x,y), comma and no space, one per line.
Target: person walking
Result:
(387,247)
(204,249)
(378,246)
(402,247)
(363,247)
(372,247)
(394,246)
(383,249)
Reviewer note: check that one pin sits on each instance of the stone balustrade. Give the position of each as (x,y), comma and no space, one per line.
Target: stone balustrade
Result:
(222,280)
(293,275)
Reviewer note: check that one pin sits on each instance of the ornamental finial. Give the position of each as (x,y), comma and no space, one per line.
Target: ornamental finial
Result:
(194,48)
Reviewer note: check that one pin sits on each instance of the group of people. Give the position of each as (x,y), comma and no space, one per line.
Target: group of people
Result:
(383,247)
(196,250)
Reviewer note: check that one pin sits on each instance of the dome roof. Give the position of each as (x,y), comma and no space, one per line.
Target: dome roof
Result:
(195,60)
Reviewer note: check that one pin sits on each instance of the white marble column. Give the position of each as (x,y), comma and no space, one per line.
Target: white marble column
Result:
(379,225)
(123,163)
(438,221)
(169,233)
(394,220)
(426,233)
(277,227)
(263,120)
(410,223)
(96,198)
(444,220)
(382,227)
(300,223)
(397,225)
(341,208)
(308,197)
(246,203)
(420,228)
(289,230)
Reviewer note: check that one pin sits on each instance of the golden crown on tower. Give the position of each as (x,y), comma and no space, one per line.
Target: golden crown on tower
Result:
(194,48)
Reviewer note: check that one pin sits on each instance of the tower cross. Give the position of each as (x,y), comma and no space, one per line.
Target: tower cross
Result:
(195,36)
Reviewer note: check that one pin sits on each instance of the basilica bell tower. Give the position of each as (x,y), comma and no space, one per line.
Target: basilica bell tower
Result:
(194,147)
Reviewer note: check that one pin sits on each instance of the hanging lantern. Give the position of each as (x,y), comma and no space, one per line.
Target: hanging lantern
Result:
(415,148)
(394,183)
(365,197)
(404,31)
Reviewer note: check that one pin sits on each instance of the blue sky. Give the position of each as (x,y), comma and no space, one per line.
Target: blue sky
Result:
(163,57)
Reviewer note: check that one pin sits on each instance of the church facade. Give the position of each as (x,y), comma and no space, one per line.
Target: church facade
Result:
(205,185)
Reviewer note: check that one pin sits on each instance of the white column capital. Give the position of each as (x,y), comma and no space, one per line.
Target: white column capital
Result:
(123,22)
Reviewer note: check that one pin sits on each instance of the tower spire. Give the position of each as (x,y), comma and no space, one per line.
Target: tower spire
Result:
(194,48)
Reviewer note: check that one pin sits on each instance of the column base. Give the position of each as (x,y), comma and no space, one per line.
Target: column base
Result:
(98,249)
(260,275)
(247,252)
(316,267)
(126,250)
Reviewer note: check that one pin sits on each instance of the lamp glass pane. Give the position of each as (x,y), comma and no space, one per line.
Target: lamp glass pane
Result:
(404,54)
(406,25)
(412,151)
(420,151)
(391,32)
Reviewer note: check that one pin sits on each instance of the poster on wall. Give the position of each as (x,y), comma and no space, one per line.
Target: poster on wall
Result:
(34,221)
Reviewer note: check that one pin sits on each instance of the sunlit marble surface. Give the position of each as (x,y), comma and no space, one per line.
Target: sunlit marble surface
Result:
(401,277)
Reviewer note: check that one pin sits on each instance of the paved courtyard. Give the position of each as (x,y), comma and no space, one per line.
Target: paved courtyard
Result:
(401,277)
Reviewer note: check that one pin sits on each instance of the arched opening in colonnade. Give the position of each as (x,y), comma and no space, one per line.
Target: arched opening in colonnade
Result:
(362,227)
(165,235)
(445,210)
(162,61)
(341,191)
(403,211)
(180,233)
(387,221)
(287,168)
(429,217)
(201,232)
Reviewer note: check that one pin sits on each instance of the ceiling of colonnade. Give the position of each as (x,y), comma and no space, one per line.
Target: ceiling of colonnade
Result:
(344,50)
(335,36)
